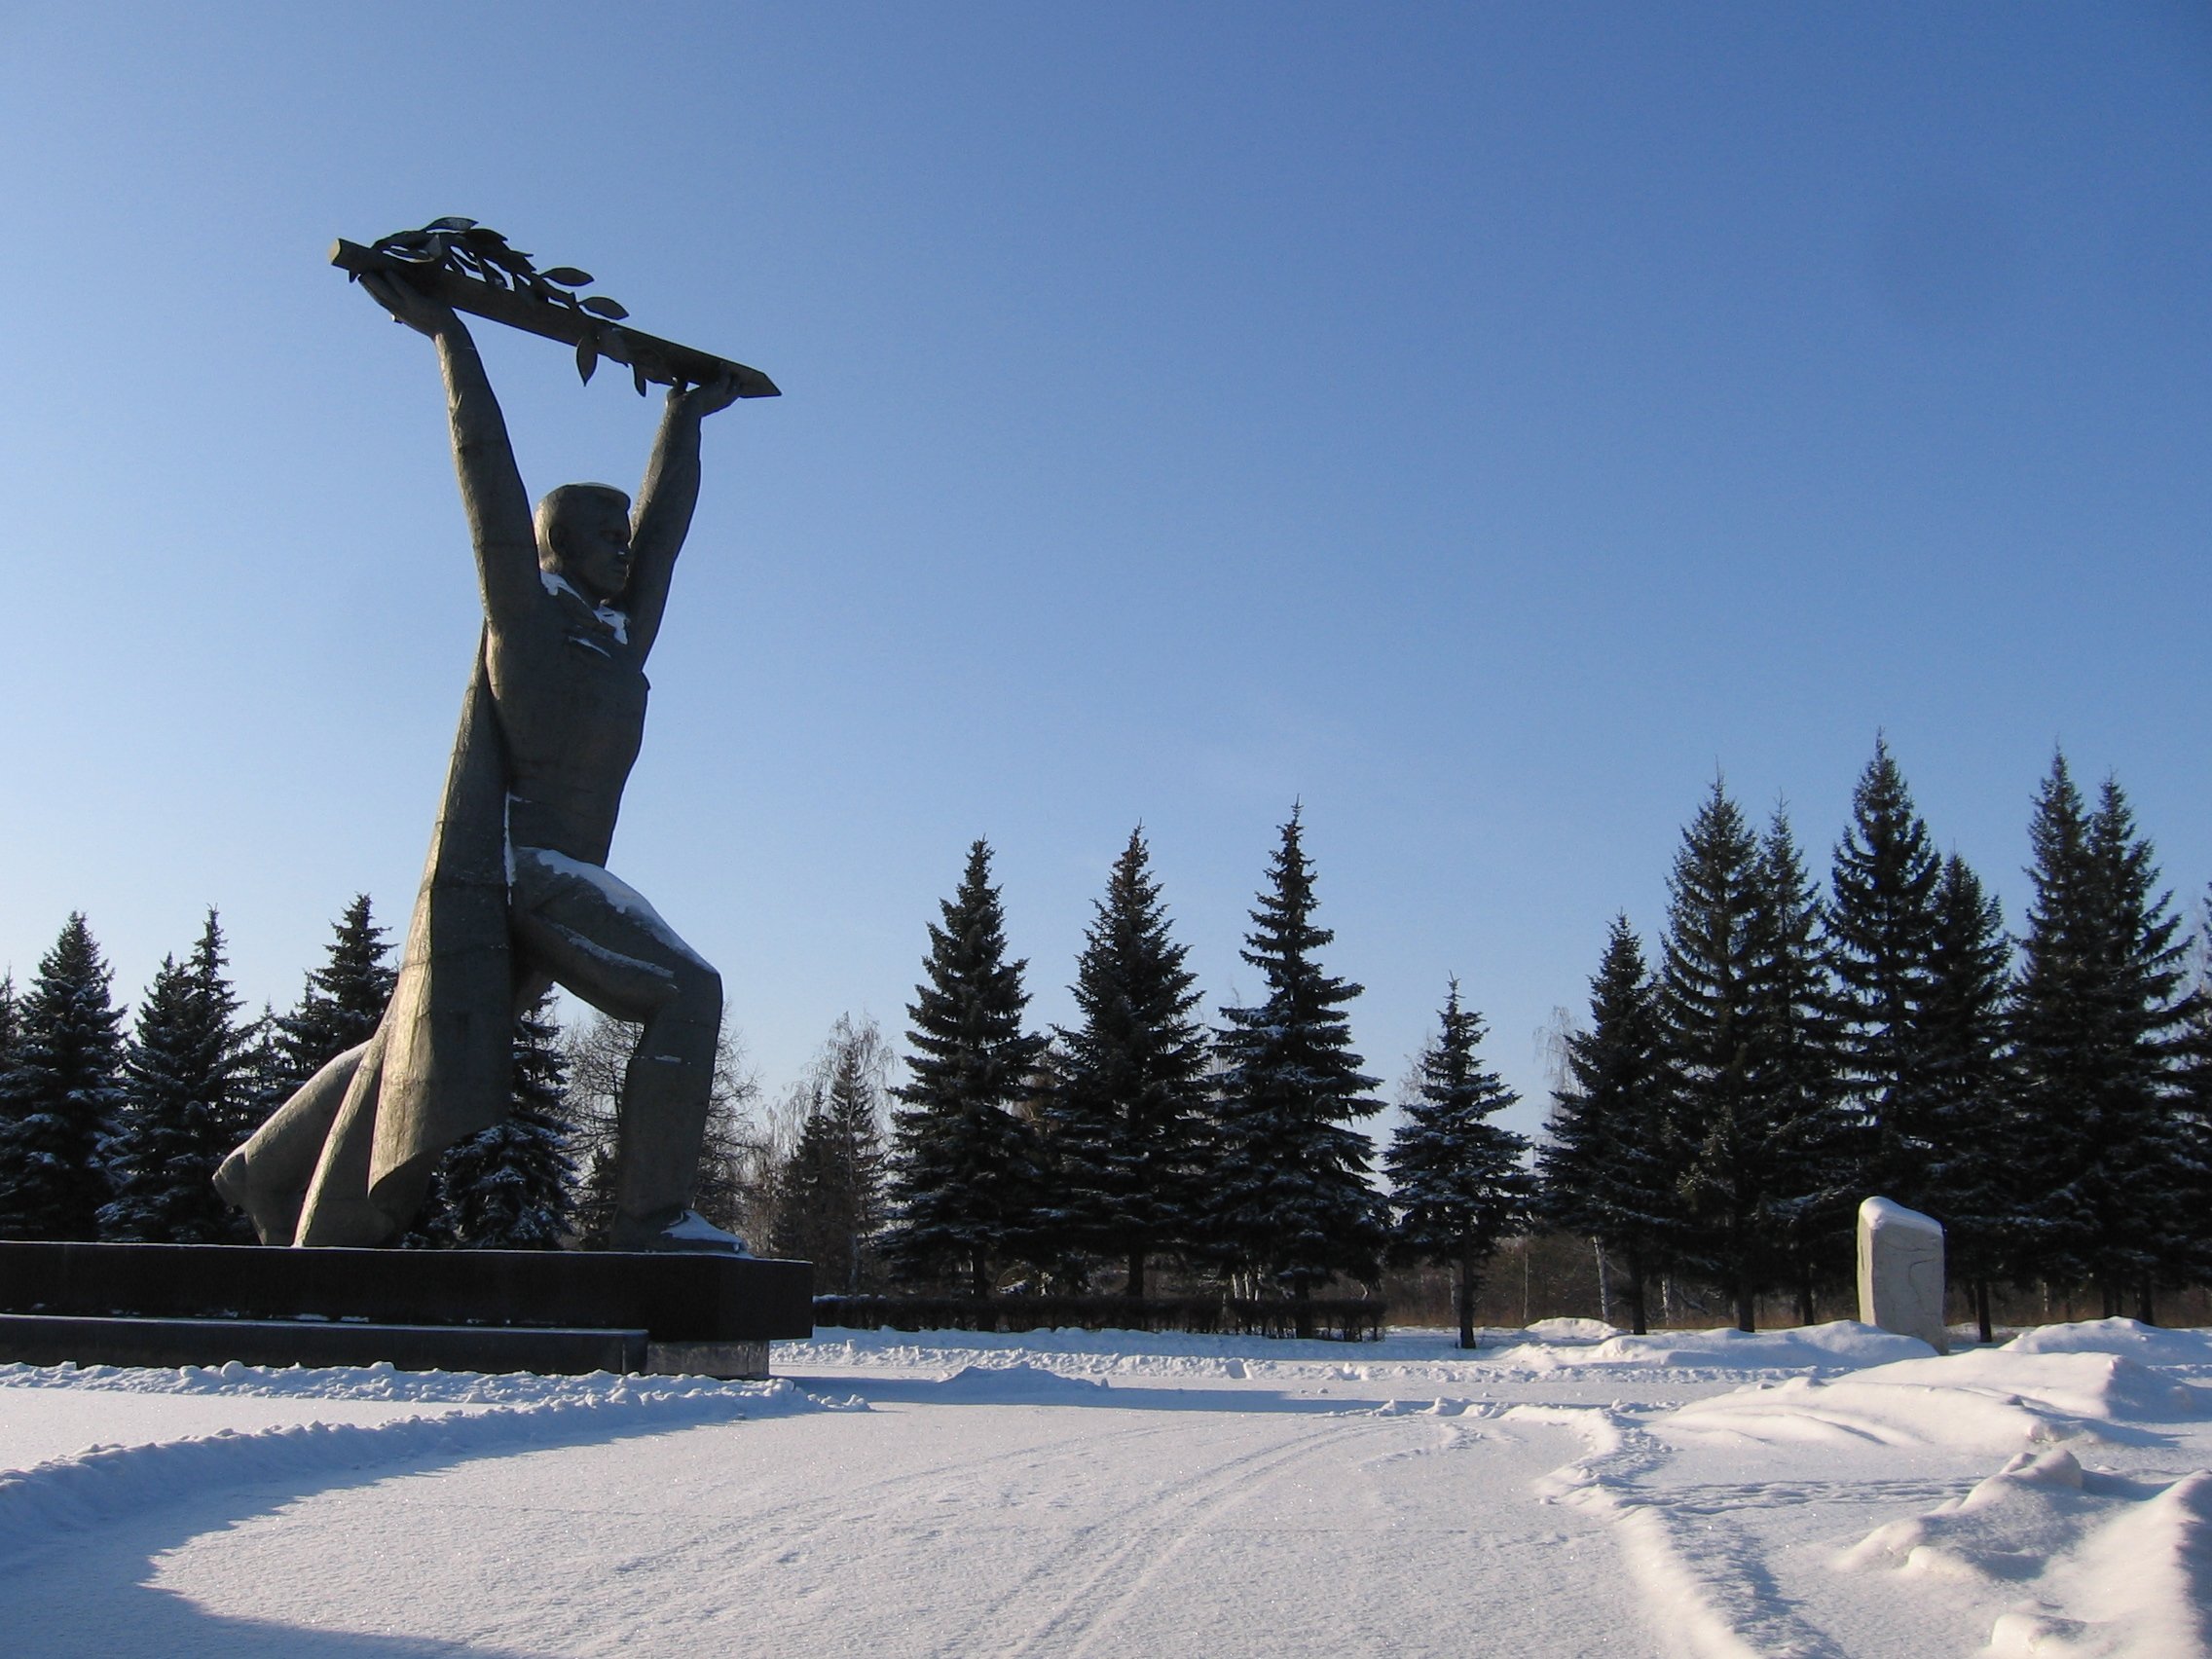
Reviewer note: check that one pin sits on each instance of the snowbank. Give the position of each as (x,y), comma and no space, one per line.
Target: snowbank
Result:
(1549,1347)
(2150,1345)
(1990,1400)
(104,1483)
(1014,1384)
(1841,1345)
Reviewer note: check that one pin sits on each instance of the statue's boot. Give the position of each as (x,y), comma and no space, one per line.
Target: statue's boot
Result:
(340,1209)
(683,1231)
(268,1176)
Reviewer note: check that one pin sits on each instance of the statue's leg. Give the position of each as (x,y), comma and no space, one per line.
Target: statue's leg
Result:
(600,939)
(339,1211)
(268,1176)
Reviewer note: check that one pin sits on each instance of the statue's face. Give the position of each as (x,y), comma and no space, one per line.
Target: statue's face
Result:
(589,546)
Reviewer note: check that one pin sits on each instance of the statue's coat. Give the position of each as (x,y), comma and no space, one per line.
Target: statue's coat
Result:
(440,1065)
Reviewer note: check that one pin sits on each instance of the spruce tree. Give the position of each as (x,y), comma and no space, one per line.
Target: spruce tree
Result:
(830,1191)
(1040,1237)
(1882,929)
(9,1022)
(1970,1183)
(2144,1194)
(2190,1178)
(1289,1202)
(510,1187)
(1809,1172)
(2100,1042)
(265,1077)
(1128,1121)
(1708,1012)
(60,1094)
(2053,1026)
(183,1106)
(344,999)
(1610,1167)
(860,1061)
(1457,1177)
(807,1226)
(961,1185)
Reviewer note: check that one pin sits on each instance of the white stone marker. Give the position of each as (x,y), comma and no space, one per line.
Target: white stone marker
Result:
(1900,1272)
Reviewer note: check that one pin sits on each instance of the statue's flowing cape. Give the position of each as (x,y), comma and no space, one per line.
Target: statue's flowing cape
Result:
(439,1067)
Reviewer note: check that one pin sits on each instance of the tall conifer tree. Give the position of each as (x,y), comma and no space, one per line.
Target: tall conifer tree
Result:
(1457,1177)
(344,998)
(859,1062)
(1289,1203)
(1809,1173)
(830,1191)
(2192,1180)
(961,1182)
(1882,930)
(2145,1191)
(7,1021)
(1969,1185)
(1127,1120)
(60,1094)
(1610,1167)
(183,1106)
(808,1188)
(2099,1033)
(1709,1008)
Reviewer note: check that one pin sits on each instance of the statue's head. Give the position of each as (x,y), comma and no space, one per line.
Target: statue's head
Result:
(584,537)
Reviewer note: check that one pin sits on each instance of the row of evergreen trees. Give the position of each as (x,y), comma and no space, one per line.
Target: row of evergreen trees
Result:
(108,1135)
(1137,1134)
(2047,1098)
(1722,1113)
(1793,1050)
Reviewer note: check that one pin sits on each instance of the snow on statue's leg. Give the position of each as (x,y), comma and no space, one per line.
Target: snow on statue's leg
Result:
(596,936)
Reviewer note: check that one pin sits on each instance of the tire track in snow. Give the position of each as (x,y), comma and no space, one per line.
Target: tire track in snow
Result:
(1077,1617)
(798,1524)
(806,1517)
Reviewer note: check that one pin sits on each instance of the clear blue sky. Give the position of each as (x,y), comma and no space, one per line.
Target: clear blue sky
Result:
(1478,423)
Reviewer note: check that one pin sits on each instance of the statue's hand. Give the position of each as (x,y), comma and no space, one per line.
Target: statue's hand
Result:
(711,398)
(408,303)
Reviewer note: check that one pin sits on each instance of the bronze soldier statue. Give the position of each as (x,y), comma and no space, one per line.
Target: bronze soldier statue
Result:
(516,895)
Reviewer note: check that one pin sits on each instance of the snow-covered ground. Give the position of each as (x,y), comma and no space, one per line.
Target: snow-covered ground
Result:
(1566,1490)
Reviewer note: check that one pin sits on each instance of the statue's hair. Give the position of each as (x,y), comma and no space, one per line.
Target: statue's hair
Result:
(564,498)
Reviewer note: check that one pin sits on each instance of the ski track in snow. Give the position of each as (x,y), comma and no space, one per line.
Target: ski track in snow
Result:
(1808,1493)
(1081,1588)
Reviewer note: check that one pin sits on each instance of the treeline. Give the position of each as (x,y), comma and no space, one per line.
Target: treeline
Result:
(113,1135)
(2047,1097)
(1090,1156)
(105,1134)
(1790,1047)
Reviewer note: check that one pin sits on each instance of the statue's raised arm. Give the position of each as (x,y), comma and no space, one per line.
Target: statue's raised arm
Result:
(492,492)
(665,503)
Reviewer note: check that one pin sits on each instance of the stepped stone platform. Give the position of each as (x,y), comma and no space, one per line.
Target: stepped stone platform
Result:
(546,1310)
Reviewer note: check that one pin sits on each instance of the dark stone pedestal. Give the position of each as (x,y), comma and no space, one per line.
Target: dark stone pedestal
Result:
(547,1311)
